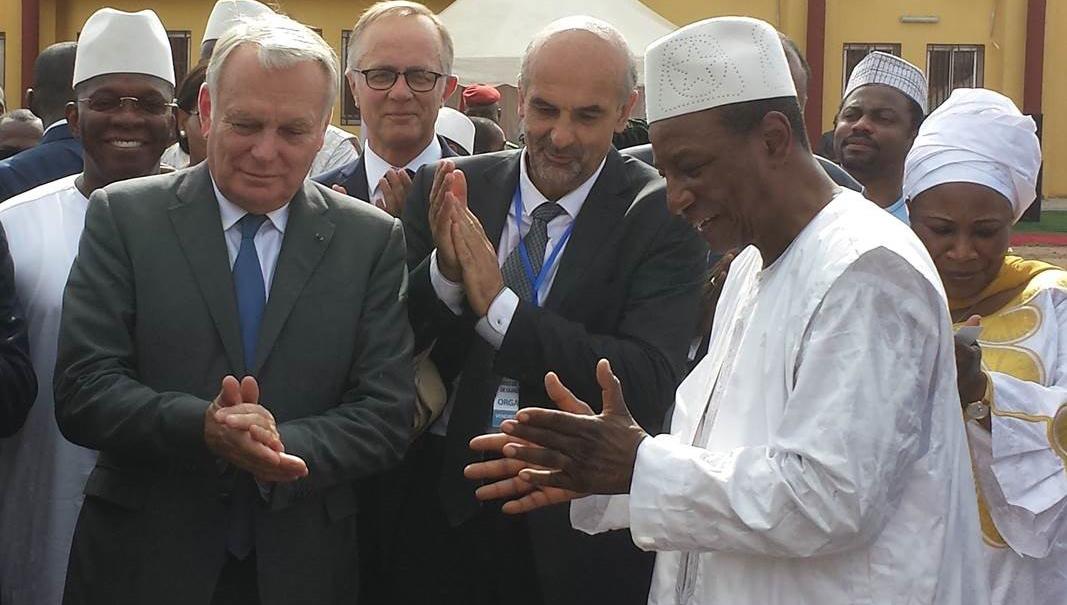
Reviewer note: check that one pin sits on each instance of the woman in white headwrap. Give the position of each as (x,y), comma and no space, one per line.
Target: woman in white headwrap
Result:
(970,175)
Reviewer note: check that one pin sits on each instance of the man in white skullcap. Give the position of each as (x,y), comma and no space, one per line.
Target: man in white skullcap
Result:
(339,147)
(817,453)
(880,114)
(457,129)
(970,175)
(123,116)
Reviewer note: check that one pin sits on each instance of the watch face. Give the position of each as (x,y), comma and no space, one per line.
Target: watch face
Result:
(977,410)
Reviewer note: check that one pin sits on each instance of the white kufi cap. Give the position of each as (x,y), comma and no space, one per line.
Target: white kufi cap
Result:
(712,63)
(977,136)
(455,127)
(888,70)
(228,13)
(116,42)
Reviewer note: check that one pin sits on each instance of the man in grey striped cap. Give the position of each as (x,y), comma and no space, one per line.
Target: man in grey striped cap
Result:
(880,114)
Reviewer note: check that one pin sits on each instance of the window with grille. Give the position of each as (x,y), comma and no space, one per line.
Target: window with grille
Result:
(179,51)
(349,112)
(855,52)
(952,66)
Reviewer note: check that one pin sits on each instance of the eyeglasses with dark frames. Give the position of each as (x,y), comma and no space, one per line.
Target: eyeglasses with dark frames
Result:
(418,80)
(106,103)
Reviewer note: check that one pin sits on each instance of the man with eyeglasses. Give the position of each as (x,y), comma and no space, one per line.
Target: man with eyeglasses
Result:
(123,116)
(399,70)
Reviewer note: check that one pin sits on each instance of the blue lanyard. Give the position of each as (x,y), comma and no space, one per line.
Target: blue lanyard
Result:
(538,280)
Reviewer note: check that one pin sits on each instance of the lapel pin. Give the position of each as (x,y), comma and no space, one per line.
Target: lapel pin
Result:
(320,237)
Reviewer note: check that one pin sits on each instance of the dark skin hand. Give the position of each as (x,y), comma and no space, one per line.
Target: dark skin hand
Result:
(713,288)
(554,456)
(970,379)
(242,432)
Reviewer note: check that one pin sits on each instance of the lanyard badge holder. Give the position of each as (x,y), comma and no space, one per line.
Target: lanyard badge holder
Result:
(506,401)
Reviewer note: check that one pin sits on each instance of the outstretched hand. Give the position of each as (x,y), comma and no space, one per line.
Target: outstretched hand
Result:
(553,456)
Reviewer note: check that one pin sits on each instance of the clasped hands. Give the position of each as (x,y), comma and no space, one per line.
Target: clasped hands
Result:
(241,431)
(554,456)
(464,253)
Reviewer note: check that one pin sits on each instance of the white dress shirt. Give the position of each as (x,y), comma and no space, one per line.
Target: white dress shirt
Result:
(495,324)
(377,167)
(268,239)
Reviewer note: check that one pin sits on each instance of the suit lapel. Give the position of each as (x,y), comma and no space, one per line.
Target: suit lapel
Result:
(356,185)
(198,225)
(307,235)
(494,204)
(600,215)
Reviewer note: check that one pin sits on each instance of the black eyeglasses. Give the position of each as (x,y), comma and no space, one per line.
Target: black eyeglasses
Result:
(108,103)
(419,80)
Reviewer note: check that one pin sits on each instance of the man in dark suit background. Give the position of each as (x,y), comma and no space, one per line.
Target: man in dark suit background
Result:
(400,73)
(242,493)
(579,259)
(18,384)
(58,154)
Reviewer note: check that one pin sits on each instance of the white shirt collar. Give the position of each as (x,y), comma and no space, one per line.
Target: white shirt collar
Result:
(62,122)
(377,167)
(571,202)
(231,212)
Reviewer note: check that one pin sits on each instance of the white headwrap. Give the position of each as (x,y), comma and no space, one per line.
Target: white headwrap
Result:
(889,70)
(456,127)
(715,62)
(977,136)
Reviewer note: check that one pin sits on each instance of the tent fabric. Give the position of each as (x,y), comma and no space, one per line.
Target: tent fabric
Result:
(490,36)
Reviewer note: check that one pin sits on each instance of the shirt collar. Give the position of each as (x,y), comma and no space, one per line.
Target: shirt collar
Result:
(377,167)
(231,212)
(571,202)
(62,122)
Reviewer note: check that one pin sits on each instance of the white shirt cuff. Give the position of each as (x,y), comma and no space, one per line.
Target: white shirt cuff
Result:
(494,326)
(448,291)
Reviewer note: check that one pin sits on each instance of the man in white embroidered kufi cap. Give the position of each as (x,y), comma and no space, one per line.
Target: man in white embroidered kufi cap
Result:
(880,114)
(124,117)
(225,15)
(817,452)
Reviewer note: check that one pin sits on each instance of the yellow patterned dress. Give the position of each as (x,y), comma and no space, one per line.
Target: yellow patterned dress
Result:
(1020,467)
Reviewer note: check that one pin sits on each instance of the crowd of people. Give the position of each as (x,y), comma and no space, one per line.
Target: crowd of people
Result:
(247,357)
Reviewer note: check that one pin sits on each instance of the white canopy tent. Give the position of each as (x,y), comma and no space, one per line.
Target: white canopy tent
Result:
(491,35)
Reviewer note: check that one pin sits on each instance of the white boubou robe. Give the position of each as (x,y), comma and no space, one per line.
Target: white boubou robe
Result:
(817,453)
(41,473)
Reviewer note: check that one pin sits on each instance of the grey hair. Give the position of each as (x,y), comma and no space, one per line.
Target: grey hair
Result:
(282,43)
(601,29)
(399,8)
(21,115)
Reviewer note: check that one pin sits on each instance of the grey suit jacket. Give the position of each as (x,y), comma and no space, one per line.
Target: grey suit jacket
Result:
(149,329)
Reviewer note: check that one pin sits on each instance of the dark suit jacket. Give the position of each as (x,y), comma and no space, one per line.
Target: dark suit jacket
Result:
(18,383)
(353,175)
(58,155)
(149,329)
(836,173)
(627,289)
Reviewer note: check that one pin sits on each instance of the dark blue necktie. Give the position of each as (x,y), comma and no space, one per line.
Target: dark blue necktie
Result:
(249,286)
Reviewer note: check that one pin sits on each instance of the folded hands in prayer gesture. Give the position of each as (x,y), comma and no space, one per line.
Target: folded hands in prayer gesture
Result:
(554,456)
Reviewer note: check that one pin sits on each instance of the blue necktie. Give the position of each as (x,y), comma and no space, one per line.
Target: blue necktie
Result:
(249,286)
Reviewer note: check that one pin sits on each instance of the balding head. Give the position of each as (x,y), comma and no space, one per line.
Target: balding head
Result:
(19,130)
(798,68)
(53,74)
(488,136)
(583,30)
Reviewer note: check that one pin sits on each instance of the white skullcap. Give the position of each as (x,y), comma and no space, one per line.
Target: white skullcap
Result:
(976,136)
(455,127)
(228,13)
(116,42)
(712,63)
(886,69)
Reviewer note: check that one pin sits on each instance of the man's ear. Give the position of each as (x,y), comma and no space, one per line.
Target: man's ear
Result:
(72,120)
(627,111)
(777,135)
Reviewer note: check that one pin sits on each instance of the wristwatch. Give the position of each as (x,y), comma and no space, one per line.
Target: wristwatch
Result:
(979,410)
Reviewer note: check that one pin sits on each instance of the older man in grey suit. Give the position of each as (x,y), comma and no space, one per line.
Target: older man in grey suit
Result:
(240,267)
